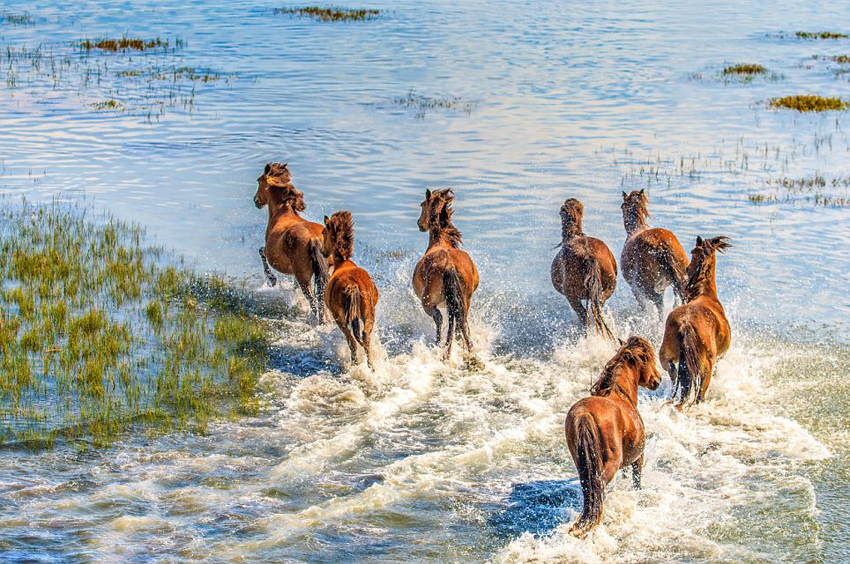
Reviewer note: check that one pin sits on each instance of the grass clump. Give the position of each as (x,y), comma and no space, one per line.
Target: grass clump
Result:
(16,19)
(842,59)
(744,69)
(820,35)
(330,14)
(108,105)
(124,44)
(96,334)
(422,104)
(808,103)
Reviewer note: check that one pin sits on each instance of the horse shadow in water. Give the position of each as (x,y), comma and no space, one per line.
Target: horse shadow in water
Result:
(537,507)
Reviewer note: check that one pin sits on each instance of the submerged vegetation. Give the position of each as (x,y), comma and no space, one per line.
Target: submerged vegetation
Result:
(744,69)
(330,14)
(98,334)
(808,103)
(126,44)
(820,35)
(813,189)
(16,19)
(422,104)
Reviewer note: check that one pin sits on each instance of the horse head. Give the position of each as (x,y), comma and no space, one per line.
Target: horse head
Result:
(275,185)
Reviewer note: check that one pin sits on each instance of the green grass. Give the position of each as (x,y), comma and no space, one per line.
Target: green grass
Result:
(98,334)
(808,103)
(330,14)
(125,43)
(820,35)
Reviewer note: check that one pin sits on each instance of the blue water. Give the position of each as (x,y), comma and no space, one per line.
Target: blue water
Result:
(422,460)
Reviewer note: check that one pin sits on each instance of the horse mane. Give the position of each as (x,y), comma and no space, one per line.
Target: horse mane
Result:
(341,226)
(441,216)
(571,212)
(279,179)
(636,351)
(701,276)
(636,203)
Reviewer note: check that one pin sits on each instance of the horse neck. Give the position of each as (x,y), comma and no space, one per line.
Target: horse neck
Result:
(571,230)
(705,284)
(634,223)
(624,381)
(278,210)
(440,236)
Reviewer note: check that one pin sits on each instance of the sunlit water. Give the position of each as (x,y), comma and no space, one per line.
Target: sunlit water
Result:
(424,460)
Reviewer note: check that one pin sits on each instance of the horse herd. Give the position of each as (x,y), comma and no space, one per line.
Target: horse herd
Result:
(604,431)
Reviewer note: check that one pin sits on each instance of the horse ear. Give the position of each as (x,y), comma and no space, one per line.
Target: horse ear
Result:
(641,190)
(622,342)
(625,196)
(699,241)
(268,168)
(327,220)
(427,194)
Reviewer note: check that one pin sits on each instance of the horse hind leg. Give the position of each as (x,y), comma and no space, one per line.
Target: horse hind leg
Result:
(270,278)
(580,310)
(435,314)
(365,340)
(637,471)
(304,284)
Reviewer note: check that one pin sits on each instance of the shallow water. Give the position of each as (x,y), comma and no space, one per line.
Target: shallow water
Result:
(424,460)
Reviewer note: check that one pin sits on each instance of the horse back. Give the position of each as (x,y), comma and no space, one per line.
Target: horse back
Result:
(619,427)
(429,271)
(643,252)
(571,266)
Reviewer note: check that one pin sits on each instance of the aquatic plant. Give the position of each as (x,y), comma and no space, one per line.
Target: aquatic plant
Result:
(16,19)
(842,59)
(422,104)
(125,44)
(330,14)
(97,334)
(107,105)
(808,103)
(820,35)
(744,69)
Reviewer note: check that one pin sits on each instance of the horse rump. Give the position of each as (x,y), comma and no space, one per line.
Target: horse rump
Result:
(353,308)
(589,465)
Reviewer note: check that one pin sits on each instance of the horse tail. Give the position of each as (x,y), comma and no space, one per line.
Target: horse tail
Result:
(455,302)
(593,283)
(673,270)
(320,273)
(690,374)
(353,310)
(589,464)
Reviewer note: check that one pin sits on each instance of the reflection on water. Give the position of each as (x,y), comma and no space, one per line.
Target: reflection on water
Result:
(432,460)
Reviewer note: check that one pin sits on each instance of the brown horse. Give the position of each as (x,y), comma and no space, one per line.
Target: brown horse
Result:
(584,269)
(697,333)
(351,295)
(293,244)
(446,274)
(652,257)
(605,431)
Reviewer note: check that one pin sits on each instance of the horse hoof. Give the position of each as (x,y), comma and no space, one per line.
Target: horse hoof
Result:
(271,281)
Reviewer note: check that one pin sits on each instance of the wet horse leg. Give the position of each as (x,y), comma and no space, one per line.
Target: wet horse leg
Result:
(580,310)
(304,284)
(270,278)
(435,314)
(365,342)
(704,383)
(450,336)
(637,468)
(352,345)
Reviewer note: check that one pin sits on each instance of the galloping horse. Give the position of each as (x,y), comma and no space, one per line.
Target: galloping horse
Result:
(696,333)
(293,244)
(584,268)
(652,257)
(351,295)
(446,274)
(605,431)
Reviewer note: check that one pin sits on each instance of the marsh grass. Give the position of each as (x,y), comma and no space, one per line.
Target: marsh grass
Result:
(841,59)
(16,18)
(98,334)
(816,189)
(330,14)
(125,43)
(108,105)
(820,35)
(744,69)
(422,104)
(808,103)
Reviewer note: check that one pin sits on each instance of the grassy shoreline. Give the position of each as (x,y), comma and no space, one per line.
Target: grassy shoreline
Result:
(99,333)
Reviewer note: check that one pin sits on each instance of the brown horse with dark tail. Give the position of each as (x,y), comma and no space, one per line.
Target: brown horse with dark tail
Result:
(293,244)
(584,270)
(351,295)
(697,333)
(605,431)
(445,275)
(652,257)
